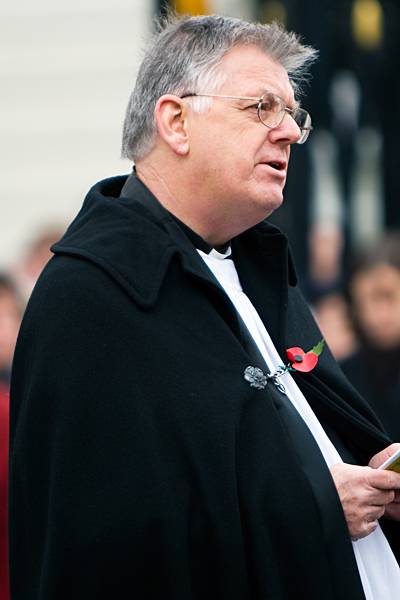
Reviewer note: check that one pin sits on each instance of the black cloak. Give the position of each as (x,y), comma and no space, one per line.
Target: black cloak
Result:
(143,465)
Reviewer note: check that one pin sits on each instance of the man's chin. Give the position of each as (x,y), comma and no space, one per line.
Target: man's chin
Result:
(273,203)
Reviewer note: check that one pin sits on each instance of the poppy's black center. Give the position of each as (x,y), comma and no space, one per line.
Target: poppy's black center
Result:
(298,358)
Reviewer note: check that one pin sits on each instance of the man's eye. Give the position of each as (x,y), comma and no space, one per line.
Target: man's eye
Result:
(269,106)
(252,106)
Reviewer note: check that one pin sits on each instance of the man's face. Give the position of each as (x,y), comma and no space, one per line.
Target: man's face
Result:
(376,299)
(241,163)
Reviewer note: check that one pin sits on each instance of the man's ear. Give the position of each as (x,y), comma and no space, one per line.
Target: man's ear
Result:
(171,120)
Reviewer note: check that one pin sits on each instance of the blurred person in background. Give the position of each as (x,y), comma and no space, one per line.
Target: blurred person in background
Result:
(34,259)
(4,419)
(374,295)
(10,318)
(11,307)
(331,312)
(325,242)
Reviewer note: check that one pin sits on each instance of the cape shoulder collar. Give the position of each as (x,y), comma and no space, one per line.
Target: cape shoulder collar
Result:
(123,229)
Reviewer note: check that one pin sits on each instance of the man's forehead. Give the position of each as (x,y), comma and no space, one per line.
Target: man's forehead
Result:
(252,67)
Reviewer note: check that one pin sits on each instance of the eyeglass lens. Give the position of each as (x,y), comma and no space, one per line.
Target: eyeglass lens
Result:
(272,110)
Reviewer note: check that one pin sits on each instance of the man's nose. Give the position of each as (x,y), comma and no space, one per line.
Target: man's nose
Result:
(287,130)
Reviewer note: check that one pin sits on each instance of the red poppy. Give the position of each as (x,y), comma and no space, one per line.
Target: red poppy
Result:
(300,360)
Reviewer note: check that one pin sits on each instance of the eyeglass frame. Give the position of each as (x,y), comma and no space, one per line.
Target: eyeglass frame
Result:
(305,131)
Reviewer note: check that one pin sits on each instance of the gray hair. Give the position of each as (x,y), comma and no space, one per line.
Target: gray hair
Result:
(185,56)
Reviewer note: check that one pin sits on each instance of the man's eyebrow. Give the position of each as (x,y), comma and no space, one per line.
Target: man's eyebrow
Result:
(292,105)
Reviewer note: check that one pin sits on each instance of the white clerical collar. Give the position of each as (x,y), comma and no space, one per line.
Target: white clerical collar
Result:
(220,255)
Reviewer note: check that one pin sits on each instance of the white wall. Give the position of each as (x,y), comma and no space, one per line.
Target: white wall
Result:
(66,73)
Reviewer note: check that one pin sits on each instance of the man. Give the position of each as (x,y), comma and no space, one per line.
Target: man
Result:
(157,448)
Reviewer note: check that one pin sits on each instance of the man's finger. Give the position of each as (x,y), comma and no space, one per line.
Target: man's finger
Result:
(377,460)
(380,497)
(384,480)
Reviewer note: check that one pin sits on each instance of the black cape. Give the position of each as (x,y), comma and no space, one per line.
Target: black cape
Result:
(143,465)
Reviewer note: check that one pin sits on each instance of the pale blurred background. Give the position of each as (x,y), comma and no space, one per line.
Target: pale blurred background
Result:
(67,70)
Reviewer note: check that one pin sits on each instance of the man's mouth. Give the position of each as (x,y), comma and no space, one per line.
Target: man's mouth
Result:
(279,167)
(276,164)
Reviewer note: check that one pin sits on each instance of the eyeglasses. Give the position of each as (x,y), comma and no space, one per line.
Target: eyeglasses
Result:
(271,110)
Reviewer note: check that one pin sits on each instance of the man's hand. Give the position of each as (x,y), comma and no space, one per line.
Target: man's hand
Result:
(365,494)
(392,510)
